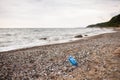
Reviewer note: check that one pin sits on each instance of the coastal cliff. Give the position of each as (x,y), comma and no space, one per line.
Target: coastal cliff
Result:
(113,22)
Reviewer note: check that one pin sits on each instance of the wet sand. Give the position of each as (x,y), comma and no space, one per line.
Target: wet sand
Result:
(98,59)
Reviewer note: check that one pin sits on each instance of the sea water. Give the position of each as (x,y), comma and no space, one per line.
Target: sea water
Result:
(16,38)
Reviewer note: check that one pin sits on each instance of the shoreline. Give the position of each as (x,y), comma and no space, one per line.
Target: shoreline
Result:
(95,56)
(60,43)
(74,37)
(53,44)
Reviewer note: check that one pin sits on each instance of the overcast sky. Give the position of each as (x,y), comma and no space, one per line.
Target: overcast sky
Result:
(56,13)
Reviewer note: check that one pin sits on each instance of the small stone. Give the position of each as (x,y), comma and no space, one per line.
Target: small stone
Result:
(43,38)
(70,76)
(78,36)
(59,73)
(65,69)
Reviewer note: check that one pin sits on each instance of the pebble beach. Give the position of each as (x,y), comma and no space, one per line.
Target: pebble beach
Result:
(98,59)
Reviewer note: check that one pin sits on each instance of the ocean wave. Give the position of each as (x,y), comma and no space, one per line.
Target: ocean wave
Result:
(11,39)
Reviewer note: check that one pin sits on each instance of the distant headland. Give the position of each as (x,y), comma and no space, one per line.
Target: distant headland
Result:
(113,22)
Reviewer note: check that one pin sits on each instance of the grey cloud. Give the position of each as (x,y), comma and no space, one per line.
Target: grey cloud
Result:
(56,12)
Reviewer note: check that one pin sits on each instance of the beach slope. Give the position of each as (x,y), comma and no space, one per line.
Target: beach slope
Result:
(98,59)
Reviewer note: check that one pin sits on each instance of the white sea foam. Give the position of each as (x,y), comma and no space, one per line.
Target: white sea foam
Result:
(11,39)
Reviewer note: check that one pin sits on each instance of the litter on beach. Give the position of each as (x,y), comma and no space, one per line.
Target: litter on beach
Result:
(73,61)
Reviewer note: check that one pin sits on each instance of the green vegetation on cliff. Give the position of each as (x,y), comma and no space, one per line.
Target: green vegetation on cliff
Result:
(114,22)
